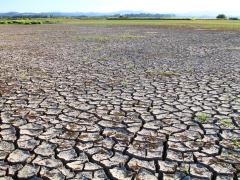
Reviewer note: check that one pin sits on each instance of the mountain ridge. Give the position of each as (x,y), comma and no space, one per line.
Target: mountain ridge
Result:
(104,14)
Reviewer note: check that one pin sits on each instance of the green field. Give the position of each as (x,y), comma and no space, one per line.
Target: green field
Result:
(231,25)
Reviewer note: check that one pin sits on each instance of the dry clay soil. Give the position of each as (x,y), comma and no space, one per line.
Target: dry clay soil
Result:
(119,103)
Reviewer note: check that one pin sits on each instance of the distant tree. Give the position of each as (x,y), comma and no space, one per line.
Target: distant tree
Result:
(221,16)
(123,17)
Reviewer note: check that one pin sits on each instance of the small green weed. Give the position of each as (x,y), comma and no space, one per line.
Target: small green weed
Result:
(227,123)
(24,76)
(186,170)
(236,142)
(125,83)
(151,73)
(202,117)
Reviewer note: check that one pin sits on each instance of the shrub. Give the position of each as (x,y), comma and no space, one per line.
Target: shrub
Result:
(36,22)
(16,22)
(3,22)
(233,18)
(27,22)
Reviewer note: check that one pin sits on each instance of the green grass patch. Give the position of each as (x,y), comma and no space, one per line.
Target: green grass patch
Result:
(171,24)
(200,24)
(28,21)
(179,24)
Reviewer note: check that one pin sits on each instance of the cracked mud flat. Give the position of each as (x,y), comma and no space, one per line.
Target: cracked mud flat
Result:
(119,103)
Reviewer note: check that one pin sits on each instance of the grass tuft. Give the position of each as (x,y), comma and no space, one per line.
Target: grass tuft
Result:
(202,117)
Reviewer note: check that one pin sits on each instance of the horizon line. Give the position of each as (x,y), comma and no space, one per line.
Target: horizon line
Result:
(196,13)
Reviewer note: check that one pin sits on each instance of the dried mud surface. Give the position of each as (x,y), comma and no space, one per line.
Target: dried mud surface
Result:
(119,103)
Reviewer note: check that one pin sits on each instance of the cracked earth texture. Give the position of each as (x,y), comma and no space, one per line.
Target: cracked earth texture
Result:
(119,103)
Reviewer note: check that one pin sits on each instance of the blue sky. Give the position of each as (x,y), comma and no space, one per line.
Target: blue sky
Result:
(160,6)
